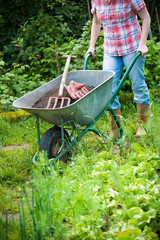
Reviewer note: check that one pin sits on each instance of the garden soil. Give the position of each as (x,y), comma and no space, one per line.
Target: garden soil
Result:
(43,101)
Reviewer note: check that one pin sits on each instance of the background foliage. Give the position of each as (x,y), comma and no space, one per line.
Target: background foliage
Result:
(104,192)
(35,35)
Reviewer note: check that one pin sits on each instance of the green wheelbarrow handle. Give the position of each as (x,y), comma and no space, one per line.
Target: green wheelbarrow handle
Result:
(86,60)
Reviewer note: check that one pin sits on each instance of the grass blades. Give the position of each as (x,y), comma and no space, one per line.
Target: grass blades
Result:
(104,192)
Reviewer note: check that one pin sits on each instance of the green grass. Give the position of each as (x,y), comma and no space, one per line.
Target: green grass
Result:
(105,192)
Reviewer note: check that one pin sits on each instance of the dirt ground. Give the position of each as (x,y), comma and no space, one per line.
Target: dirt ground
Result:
(43,101)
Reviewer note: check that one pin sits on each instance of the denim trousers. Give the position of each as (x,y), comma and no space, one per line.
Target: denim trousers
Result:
(136,75)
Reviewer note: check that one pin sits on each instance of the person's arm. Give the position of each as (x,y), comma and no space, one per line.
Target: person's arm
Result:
(144,16)
(96,26)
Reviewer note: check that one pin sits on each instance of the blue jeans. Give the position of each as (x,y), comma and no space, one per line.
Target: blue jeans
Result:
(139,87)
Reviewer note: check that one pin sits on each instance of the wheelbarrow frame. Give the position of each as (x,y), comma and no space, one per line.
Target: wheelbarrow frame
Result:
(90,126)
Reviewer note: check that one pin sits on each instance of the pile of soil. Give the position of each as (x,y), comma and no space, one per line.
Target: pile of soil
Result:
(43,101)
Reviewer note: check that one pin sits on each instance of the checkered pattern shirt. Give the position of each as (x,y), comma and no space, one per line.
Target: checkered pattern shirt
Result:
(121,28)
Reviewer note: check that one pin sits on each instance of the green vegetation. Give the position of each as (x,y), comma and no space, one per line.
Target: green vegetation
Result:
(41,66)
(105,192)
(31,53)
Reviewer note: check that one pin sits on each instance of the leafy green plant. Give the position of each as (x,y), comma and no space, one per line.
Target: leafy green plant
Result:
(103,193)
(40,58)
(16,83)
(152,68)
(95,200)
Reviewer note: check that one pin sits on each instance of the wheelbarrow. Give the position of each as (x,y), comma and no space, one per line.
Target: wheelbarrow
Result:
(84,113)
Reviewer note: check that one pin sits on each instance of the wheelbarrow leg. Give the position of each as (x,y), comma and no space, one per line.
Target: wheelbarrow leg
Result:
(118,124)
(38,132)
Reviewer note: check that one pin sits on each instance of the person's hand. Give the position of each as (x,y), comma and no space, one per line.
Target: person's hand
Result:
(76,90)
(143,49)
(91,50)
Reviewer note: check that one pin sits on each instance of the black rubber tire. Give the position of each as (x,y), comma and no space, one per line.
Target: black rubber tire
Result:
(51,142)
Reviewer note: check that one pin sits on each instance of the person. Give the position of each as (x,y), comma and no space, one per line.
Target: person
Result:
(123,38)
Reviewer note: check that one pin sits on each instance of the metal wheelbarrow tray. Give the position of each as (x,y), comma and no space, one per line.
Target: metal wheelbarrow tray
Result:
(84,112)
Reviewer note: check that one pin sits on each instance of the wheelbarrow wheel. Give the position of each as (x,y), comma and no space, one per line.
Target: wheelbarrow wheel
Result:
(51,142)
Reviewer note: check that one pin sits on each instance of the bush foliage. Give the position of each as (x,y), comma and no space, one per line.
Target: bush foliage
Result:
(37,63)
(32,51)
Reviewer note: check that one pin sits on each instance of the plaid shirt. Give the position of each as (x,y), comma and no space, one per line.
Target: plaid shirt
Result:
(121,28)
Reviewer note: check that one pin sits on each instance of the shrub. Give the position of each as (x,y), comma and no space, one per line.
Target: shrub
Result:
(39,58)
